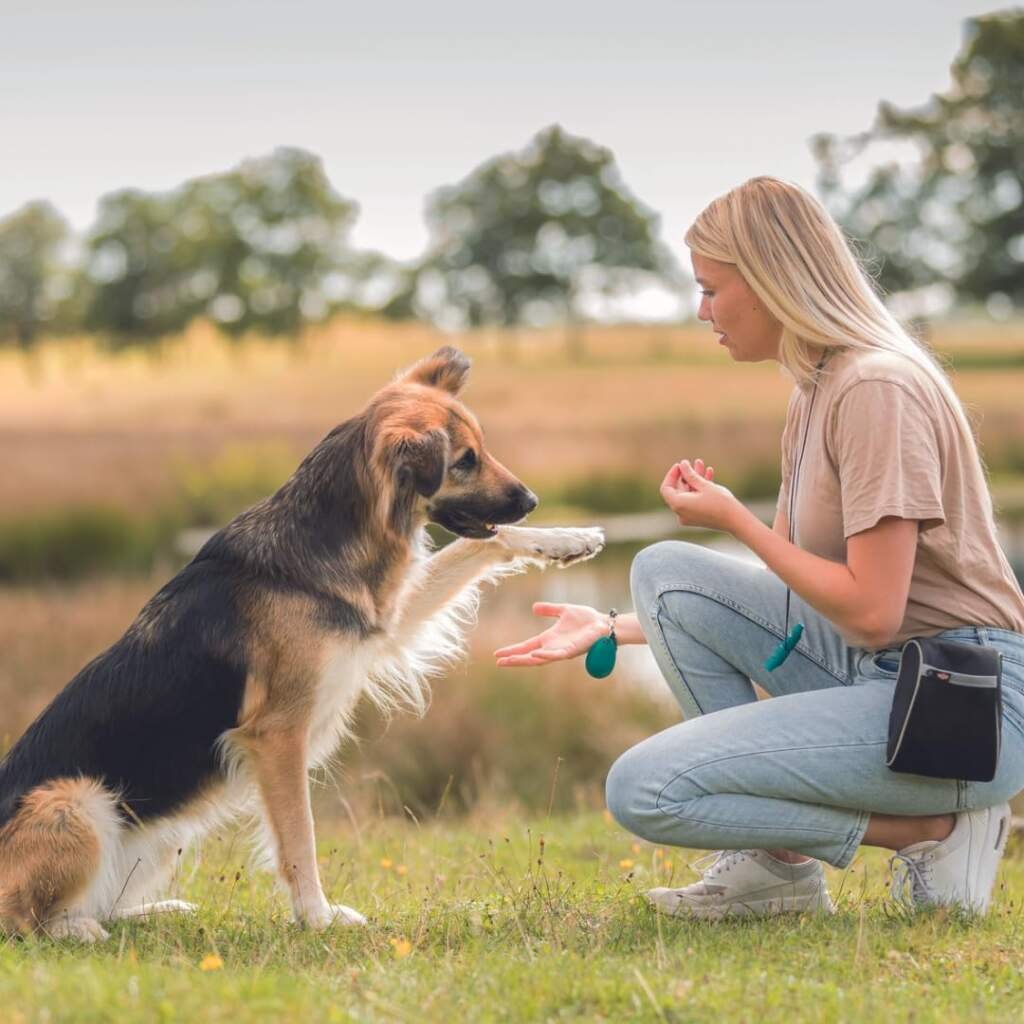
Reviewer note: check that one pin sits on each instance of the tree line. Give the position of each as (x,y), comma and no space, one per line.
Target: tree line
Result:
(528,237)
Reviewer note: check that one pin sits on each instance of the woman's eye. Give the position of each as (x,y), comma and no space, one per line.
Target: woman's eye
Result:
(468,460)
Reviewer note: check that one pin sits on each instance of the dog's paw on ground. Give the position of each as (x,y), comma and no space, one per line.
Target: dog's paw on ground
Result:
(333,915)
(152,909)
(558,545)
(83,929)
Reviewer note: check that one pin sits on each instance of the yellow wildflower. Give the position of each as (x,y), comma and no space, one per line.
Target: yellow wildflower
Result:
(625,864)
(211,962)
(402,947)
(385,863)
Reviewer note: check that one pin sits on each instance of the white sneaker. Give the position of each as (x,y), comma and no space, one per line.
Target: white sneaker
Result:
(959,870)
(747,882)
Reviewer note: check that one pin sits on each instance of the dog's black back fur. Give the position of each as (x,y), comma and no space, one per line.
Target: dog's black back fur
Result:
(145,715)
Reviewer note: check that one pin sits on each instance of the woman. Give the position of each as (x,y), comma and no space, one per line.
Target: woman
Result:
(892,537)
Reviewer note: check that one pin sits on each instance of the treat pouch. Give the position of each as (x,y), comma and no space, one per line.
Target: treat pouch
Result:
(946,711)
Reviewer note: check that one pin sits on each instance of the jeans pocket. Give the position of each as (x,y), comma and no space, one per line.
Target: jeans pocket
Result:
(886,662)
(883,664)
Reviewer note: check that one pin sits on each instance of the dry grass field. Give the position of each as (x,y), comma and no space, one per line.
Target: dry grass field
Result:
(82,426)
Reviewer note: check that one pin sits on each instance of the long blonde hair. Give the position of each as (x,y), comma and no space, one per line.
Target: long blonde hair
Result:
(795,258)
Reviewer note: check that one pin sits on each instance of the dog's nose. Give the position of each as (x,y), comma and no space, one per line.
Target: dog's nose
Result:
(527,500)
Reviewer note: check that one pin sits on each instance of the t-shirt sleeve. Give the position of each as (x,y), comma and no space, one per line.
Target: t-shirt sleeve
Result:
(889,458)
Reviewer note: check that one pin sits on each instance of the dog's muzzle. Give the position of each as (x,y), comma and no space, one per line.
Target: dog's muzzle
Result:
(478,521)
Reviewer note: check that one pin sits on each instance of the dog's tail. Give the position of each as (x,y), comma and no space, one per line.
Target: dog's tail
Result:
(52,849)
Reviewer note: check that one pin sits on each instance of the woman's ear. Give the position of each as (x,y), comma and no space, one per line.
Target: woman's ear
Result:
(423,461)
(447,369)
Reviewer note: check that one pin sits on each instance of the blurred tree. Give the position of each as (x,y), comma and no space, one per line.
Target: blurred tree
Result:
(30,277)
(527,237)
(955,214)
(262,247)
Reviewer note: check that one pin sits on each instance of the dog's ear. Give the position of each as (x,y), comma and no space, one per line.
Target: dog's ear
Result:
(423,461)
(446,369)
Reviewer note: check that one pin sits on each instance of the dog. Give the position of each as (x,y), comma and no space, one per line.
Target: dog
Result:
(242,674)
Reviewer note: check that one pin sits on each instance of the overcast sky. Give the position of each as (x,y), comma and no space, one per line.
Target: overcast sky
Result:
(399,98)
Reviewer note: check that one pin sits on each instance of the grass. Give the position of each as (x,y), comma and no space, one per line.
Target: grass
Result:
(512,919)
(484,923)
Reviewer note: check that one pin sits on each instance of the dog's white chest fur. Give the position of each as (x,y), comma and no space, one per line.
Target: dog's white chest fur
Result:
(343,677)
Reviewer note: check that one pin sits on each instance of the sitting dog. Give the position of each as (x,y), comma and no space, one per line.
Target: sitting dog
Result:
(242,673)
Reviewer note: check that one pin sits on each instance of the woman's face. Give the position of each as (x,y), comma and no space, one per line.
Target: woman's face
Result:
(743,325)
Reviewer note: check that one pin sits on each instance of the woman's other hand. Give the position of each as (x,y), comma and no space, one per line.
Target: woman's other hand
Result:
(690,492)
(576,630)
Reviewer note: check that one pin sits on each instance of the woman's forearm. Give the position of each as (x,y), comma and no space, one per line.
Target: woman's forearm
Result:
(828,587)
(627,629)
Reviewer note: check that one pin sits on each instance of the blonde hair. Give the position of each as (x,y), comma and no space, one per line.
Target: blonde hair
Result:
(797,261)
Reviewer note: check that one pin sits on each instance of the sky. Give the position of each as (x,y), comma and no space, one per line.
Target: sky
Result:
(400,98)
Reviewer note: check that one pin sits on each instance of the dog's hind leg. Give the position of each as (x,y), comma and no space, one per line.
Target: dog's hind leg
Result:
(53,855)
(137,901)
(151,855)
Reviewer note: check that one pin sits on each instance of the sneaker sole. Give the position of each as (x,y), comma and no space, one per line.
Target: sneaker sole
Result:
(812,904)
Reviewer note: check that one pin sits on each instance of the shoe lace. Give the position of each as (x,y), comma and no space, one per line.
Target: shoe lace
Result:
(711,865)
(911,879)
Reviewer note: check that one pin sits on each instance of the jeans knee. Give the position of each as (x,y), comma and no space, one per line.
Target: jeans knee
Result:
(650,569)
(625,794)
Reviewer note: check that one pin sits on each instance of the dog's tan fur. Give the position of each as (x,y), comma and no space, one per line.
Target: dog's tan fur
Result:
(68,858)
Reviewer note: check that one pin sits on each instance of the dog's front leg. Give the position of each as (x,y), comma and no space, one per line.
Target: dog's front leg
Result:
(462,563)
(445,575)
(279,760)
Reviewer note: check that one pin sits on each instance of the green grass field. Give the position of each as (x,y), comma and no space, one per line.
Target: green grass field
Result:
(499,919)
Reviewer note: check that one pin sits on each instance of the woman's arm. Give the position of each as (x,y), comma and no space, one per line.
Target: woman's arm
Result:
(576,629)
(865,599)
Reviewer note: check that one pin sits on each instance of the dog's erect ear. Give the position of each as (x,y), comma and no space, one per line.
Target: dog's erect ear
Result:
(446,369)
(423,461)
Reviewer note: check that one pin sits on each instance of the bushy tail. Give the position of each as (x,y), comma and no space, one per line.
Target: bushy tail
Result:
(52,849)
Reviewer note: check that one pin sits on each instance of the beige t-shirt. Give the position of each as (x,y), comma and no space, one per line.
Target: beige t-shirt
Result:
(883,441)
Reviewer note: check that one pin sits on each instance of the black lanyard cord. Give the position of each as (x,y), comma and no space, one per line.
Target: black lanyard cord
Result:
(790,640)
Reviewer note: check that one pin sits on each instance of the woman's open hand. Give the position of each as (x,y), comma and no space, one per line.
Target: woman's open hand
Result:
(577,628)
(690,492)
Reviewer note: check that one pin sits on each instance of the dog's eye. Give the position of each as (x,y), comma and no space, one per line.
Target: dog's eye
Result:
(467,461)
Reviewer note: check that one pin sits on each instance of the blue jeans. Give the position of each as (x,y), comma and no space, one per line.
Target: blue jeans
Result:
(804,770)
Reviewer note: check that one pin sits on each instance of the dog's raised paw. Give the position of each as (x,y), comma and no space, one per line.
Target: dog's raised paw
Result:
(553,545)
